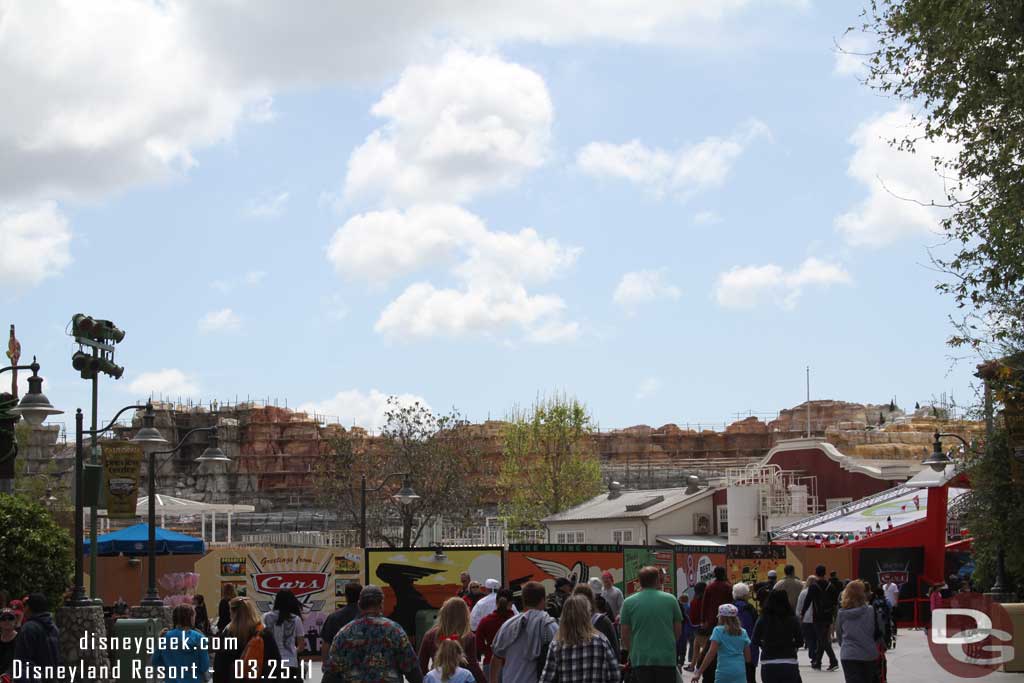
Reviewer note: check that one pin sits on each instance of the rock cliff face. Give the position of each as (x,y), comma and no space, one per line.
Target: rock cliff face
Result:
(275,451)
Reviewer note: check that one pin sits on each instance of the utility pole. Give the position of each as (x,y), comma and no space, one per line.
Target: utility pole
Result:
(808,401)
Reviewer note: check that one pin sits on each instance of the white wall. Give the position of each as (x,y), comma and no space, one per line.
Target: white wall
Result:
(679,522)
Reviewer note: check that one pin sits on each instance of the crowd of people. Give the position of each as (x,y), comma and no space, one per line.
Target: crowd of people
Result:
(586,632)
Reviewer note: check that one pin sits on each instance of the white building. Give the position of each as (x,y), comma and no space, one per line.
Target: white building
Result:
(640,517)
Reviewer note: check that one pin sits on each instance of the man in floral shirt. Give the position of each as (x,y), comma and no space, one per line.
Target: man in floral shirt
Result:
(372,648)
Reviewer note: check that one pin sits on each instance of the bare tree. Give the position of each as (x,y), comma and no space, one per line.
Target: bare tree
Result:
(439,454)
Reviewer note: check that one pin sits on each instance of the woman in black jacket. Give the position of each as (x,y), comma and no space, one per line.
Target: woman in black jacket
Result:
(777,633)
(227,594)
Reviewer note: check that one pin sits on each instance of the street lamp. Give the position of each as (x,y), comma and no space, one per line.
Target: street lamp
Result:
(938,461)
(150,439)
(34,405)
(405,496)
(78,598)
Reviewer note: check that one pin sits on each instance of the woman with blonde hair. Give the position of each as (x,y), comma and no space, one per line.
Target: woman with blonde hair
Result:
(452,620)
(728,647)
(578,651)
(448,662)
(254,645)
(598,619)
(858,630)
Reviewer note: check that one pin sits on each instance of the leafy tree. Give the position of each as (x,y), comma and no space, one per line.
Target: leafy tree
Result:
(440,454)
(995,512)
(551,463)
(961,64)
(37,554)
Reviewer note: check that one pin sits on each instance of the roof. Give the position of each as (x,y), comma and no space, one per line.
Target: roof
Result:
(890,470)
(134,540)
(900,505)
(170,505)
(694,541)
(631,504)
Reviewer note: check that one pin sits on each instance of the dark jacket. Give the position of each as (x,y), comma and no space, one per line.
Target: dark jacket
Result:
(777,638)
(224,660)
(716,594)
(824,606)
(38,643)
(223,615)
(604,625)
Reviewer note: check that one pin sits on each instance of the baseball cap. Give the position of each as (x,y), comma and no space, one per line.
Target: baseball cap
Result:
(727,610)
(606,575)
(371,595)
(595,584)
(493,584)
(772,574)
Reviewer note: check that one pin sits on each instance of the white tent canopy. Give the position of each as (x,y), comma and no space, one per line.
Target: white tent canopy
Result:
(170,506)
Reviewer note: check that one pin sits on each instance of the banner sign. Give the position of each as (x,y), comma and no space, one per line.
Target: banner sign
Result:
(415,579)
(312,574)
(635,559)
(694,565)
(122,461)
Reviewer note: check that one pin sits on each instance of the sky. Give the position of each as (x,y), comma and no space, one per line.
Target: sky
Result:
(666,209)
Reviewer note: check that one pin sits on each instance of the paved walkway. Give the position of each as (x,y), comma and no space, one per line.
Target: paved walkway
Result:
(910,662)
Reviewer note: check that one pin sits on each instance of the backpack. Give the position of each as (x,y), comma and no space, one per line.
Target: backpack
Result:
(884,633)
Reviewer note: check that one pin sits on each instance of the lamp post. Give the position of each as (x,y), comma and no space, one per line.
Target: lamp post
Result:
(150,439)
(938,461)
(78,598)
(405,496)
(34,407)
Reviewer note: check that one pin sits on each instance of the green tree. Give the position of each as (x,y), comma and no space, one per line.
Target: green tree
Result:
(439,452)
(960,63)
(995,512)
(550,461)
(36,552)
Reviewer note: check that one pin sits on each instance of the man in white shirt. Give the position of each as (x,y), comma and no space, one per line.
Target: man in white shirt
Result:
(611,594)
(806,617)
(486,604)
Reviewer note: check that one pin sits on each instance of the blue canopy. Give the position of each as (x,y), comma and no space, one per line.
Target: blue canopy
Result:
(134,540)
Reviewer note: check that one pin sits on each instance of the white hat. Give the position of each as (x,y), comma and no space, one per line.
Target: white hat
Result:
(493,584)
(727,610)
(595,584)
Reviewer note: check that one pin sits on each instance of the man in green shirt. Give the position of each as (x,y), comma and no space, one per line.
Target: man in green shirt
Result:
(651,623)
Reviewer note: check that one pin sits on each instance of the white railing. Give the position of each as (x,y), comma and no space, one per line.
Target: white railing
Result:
(436,535)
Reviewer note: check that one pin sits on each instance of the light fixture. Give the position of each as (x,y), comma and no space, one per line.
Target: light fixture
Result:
(34,406)
(213,453)
(938,460)
(149,437)
(406,495)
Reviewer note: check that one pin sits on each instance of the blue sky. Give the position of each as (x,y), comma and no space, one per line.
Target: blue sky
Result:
(668,212)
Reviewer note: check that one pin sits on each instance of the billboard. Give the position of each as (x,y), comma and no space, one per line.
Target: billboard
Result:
(903,566)
(751,563)
(545,562)
(695,564)
(415,579)
(635,559)
(310,573)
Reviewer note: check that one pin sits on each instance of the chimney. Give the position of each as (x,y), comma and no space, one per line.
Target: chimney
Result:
(614,489)
(692,485)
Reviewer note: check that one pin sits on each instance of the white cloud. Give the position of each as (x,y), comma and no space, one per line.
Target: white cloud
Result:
(493,267)
(269,207)
(359,408)
(168,382)
(707,218)
(423,310)
(682,172)
(35,244)
(649,387)
(750,286)
(897,183)
(643,287)
(224,320)
(452,130)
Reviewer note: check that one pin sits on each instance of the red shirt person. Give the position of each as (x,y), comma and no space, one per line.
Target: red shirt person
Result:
(718,593)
